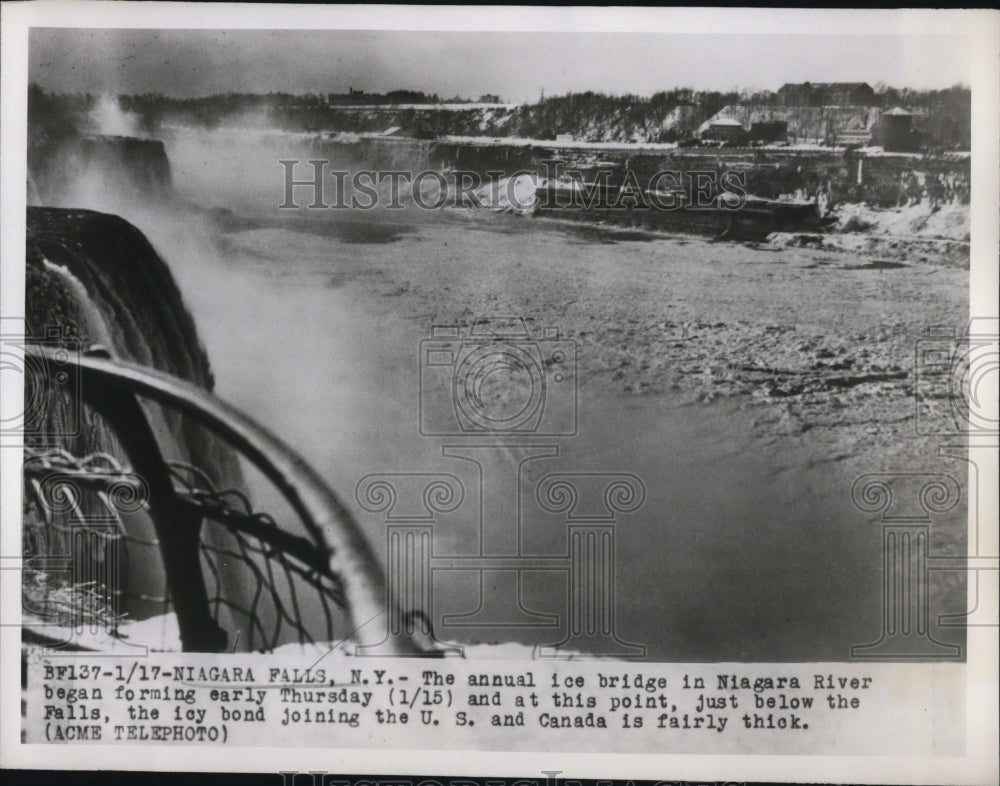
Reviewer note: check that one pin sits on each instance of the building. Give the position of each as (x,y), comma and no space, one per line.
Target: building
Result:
(853,137)
(768,131)
(352,96)
(896,132)
(725,129)
(827,94)
(855,132)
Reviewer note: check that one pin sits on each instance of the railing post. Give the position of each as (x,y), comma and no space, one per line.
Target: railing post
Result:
(178,526)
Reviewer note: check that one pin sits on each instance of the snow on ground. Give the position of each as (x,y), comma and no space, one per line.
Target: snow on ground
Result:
(913,234)
(948,221)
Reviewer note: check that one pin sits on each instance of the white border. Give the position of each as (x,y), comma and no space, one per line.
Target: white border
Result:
(982,28)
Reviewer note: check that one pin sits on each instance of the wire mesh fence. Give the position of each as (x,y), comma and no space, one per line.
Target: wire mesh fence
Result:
(90,564)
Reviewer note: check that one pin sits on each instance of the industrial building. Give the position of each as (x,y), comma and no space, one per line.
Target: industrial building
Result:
(768,131)
(724,129)
(896,133)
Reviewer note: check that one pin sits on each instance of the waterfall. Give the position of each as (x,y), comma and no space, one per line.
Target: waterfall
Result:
(127,283)
(106,171)
(94,278)
(93,322)
(125,298)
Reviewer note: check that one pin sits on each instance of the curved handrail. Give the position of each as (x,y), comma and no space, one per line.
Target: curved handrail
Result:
(327,520)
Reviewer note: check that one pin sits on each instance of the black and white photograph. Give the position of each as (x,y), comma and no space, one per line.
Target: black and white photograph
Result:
(598,381)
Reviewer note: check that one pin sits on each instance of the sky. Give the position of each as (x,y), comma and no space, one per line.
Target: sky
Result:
(517,66)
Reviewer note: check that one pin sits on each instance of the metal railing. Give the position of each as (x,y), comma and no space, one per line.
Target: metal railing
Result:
(334,563)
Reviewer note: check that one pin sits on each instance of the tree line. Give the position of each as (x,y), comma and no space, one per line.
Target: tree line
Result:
(943,116)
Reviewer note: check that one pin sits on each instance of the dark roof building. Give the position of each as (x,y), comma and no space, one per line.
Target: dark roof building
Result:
(725,129)
(896,132)
(769,131)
